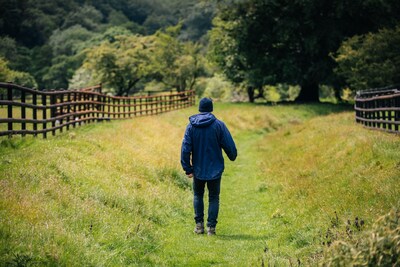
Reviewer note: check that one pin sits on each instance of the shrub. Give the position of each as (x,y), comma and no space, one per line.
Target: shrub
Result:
(377,247)
(217,87)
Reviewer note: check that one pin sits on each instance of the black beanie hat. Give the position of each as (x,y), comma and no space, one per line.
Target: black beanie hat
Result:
(206,105)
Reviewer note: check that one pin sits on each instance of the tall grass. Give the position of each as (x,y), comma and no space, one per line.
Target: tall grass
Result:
(114,193)
(328,174)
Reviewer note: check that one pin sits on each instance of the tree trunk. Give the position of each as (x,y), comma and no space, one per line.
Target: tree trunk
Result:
(309,92)
(337,94)
(260,92)
(250,93)
(120,92)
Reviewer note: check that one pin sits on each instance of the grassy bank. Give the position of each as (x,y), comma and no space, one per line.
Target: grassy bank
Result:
(114,193)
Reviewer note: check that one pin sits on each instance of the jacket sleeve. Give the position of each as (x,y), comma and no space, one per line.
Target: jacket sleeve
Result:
(227,143)
(186,151)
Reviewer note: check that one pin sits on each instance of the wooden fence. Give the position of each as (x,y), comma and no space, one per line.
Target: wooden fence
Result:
(379,109)
(27,111)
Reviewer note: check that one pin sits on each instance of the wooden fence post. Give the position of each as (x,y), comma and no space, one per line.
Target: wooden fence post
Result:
(98,106)
(61,112)
(10,110)
(23,113)
(44,116)
(74,108)
(397,112)
(80,108)
(52,112)
(68,109)
(85,107)
(146,105)
(123,107)
(34,113)
(113,107)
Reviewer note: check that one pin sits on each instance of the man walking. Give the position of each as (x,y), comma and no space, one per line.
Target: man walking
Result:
(202,160)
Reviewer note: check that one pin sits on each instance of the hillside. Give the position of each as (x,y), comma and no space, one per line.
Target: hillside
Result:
(114,193)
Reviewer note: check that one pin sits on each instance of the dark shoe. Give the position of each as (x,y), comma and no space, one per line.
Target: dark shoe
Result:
(199,228)
(211,231)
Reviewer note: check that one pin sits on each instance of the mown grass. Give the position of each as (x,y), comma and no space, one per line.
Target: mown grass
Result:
(114,194)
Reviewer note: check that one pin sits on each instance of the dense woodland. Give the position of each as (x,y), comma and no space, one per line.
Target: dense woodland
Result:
(230,50)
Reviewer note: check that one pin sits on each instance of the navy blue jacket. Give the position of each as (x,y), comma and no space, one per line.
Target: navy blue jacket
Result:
(204,139)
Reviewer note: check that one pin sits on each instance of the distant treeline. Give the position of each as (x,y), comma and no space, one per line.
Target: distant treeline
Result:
(42,42)
(225,49)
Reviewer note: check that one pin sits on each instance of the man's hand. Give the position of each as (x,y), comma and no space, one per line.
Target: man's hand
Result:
(190,175)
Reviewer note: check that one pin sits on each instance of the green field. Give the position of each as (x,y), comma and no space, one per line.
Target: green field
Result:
(114,194)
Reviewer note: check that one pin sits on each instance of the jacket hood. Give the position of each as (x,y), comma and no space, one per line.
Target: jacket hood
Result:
(202,119)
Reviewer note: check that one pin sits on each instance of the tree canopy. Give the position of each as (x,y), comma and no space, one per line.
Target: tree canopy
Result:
(259,45)
(371,60)
(125,63)
(49,39)
(259,42)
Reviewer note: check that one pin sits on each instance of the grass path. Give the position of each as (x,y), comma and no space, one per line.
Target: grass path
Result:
(241,232)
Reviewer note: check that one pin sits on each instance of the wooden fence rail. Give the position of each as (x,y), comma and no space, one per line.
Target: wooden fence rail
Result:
(379,109)
(29,111)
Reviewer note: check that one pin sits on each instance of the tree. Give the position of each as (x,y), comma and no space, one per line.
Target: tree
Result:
(32,22)
(70,40)
(86,16)
(226,52)
(18,56)
(290,41)
(371,60)
(198,21)
(175,63)
(120,64)
(66,55)
(125,62)
(117,18)
(17,77)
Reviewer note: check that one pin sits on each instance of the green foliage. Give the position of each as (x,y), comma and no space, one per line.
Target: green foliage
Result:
(67,53)
(57,74)
(121,63)
(224,50)
(125,62)
(377,247)
(41,61)
(32,22)
(86,16)
(281,92)
(18,77)
(177,63)
(18,56)
(371,60)
(37,35)
(69,41)
(219,89)
(198,21)
(267,42)
(4,70)
(81,78)
(272,94)
(118,18)
(23,78)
